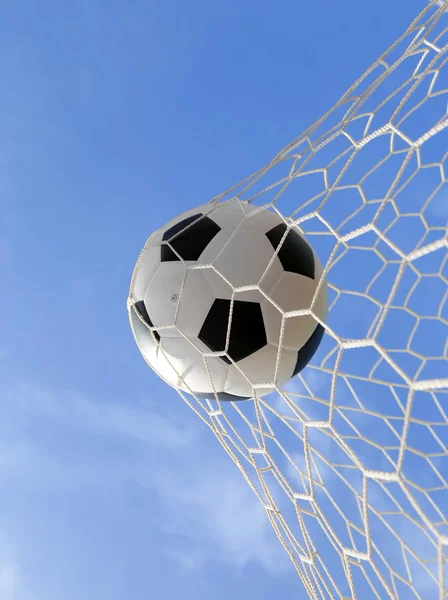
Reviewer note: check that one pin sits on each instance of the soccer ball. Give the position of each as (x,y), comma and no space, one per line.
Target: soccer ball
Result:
(208,297)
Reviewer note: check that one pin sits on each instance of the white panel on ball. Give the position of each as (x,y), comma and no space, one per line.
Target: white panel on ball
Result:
(144,272)
(202,287)
(165,367)
(271,276)
(260,220)
(245,259)
(154,239)
(215,246)
(162,295)
(293,292)
(272,318)
(249,296)
(189,363)
(260,368)
(321,305)
(229,214)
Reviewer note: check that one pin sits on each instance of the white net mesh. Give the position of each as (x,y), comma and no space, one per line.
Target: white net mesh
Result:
(350,458)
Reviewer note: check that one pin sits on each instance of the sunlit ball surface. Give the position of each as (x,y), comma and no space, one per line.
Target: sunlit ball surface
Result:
(213,296)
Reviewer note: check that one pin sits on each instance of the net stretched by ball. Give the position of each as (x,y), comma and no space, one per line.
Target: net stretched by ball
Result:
(349,455)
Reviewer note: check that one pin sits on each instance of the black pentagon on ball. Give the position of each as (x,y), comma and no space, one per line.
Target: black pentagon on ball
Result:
(295,254)
(307,351)
(141,309)
(190,238)
(247,333)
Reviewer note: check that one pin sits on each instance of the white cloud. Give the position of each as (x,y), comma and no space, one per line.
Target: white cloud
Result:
(8,581)
(215,506)
(186,560)
(205,503)
(9,574)
(141,422)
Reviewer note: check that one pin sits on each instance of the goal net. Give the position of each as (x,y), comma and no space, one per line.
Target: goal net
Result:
(350,458)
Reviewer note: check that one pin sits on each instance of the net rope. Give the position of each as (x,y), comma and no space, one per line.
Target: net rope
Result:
(350,459)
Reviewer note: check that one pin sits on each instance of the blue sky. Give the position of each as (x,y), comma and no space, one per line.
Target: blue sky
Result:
(114,118)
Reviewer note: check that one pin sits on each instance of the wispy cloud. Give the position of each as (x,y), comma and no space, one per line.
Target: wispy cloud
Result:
(216,507)
(142,421)
(9,574)
(186,560)
(207,511)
